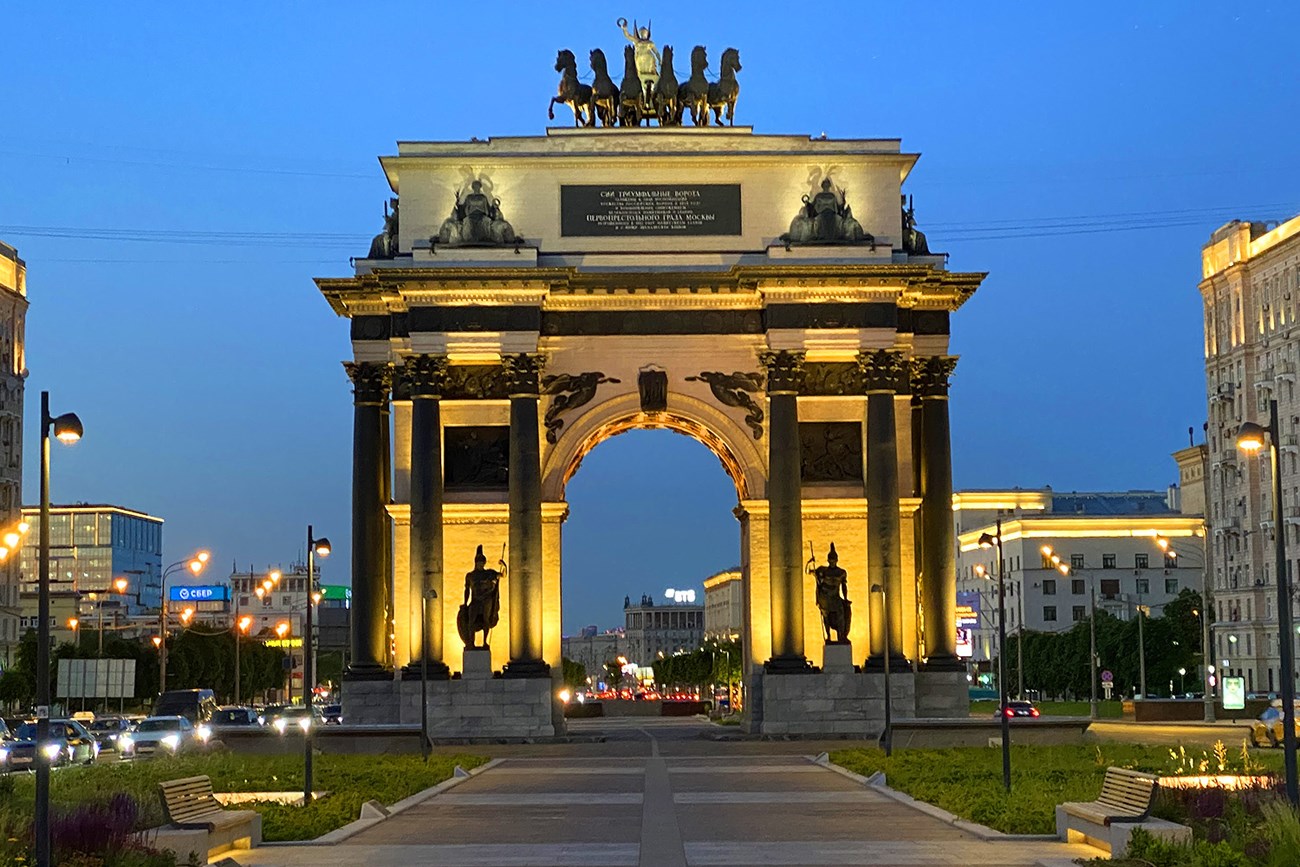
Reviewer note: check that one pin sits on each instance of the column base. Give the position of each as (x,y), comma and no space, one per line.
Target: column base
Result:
(364,672)
(789,665)
(897,664)
(526,668)
(437,671)
(944,663)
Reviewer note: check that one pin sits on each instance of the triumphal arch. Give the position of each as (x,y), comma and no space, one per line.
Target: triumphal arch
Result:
(768,295)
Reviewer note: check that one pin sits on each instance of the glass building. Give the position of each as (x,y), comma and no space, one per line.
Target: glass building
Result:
(91,546)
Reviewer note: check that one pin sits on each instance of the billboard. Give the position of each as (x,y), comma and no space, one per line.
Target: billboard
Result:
(968,616)
(199,593)
(1234,693)
(96,678)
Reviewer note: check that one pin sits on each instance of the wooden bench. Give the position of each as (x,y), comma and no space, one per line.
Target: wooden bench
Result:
(200,824)
(1124,804)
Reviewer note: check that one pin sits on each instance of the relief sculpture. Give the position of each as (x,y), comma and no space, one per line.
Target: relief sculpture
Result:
(569,391)
(734,389)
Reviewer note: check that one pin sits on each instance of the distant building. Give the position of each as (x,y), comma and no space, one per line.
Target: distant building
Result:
(724,604)
(285,602)
(64,608)
(91,545)
(593,649)
(1250,293)
(13,373)
(333,617)
(653,629)
(1109,540)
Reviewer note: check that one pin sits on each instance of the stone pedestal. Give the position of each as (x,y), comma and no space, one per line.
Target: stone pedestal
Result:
(944,694)
(837,658)
(476,663)
(466,708)
(826,704)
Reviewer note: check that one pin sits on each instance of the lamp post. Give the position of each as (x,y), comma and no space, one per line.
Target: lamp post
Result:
(315,547)
(429,593)
(67,429)
(1250,437)
(888,737)
(1207,672)
(196,565)
(995,541)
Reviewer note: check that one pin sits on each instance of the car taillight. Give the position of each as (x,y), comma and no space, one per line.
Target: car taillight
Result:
(1033,711)
(1009,712)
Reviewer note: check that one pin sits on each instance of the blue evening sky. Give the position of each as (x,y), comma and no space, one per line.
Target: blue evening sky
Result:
(175,175)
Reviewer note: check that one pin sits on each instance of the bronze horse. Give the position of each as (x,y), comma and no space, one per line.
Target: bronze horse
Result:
(632,104)
(604,93)
(723,92)
(666,104)
(694,94)
(573,93)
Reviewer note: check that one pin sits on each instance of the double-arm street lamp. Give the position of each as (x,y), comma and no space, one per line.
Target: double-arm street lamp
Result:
(1251,438)
(67,429)
(195,565)
(994,540)
(315,547)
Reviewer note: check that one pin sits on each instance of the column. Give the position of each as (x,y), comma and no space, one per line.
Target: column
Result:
(883,374)
(426,376)
(370,386)
(785,511)
(524,562)
(386,523)
(939,558)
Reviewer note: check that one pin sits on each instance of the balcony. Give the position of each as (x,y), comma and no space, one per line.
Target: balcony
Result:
(1224,391)
(1265,380)
(1290,443)
(1284,372)
(1291,514)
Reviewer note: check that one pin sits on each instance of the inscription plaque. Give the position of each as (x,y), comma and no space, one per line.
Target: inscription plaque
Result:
(612,210)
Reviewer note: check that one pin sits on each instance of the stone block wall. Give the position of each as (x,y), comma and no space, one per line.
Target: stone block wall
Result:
(460,708)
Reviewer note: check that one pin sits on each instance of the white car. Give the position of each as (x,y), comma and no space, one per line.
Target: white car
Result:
(161,735)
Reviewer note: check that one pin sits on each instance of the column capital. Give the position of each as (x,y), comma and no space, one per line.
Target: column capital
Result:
(371,381)
(930,374)
(425,375)
(522,373)
(784,371)
(883,370)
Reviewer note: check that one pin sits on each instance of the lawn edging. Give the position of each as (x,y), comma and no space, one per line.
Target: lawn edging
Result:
(877,782)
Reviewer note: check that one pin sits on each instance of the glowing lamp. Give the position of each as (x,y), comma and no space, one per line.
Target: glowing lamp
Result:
(67,428)
(322,547)
(12,539)
(121,584)
(1250,437)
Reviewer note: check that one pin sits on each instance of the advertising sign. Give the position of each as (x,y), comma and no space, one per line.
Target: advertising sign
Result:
(1234,693)
(200,593)
(968,617)
(96,678)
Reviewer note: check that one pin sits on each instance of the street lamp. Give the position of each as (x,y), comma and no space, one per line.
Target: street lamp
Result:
(1250,438)
(888,737)
(315,548)
(995,541)
(67,429)
(242,625)
(195,564)
(1092,636)
(1205,610)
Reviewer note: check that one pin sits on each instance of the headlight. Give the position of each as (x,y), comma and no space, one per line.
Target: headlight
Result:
(305,723)
(4,756)
(125,742)
(279,725)
(52,751)
(204,733)
(172,742)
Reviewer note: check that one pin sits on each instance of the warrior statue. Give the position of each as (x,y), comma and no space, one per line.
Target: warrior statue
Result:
(647,56)
(384,246)
(476,219)
(832,596)
(826,218)
(482,606)
(914,243)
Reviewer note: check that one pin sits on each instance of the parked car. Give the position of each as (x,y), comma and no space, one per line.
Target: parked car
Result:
(108,730)
(5,733)
(332,714)
(234,718)
(160,735)
(1015,709)
(1268,728)
(196,705)
(68,743)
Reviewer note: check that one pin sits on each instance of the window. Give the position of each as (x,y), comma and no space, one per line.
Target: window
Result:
(1139,561)
(1077,613)
(1171,586)
(1108,561)
(1110,587)
(1076,561)
(1046,558)
(1076,586)
(1049,613)
(1049,587)
(1171,559)
(1143,586)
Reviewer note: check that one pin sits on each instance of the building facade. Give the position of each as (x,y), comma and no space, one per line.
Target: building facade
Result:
(724,605)
(593,649)
(13,373)
(1110,542)
(91,545)
(1250,292)
(651,629)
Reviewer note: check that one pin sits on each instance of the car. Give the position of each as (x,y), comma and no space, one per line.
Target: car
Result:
(332,714)
(161,735)
(196,705)
(1016,709)
(293,714)
(68,743)
(1268,728)
(234,718)
(107,730)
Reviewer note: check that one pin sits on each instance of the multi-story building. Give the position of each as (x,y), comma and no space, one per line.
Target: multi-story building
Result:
(724,604)
(13,372)
(65,615)
(284,603)
(652,629)
(93,545)
(1250,291)
(1111,543)
(593,649)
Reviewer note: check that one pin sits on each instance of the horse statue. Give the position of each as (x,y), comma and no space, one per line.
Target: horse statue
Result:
(573,93)
(666,103)
(633,107)
(694,94)
(723,92)
(604,93)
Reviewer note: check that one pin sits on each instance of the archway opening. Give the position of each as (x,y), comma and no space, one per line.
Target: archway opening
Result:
(651,517)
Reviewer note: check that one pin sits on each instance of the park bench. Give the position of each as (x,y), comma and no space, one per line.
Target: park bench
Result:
(200,824)
(1124,804)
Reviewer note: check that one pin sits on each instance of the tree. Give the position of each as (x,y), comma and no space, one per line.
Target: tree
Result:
(575,674)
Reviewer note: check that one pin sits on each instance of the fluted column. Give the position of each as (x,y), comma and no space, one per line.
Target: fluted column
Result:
(884,372)
(370,388)
(785,511)
(426,376)
(939,559)
(524,576)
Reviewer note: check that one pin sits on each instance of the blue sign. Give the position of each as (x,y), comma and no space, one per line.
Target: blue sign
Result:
(201,593)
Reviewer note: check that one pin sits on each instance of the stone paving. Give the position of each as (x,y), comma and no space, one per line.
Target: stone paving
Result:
(665,810)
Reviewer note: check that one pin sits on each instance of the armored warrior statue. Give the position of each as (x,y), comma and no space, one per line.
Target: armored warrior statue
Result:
(832,596)
(826,218)
(476,219)
(914,242)
(384,246)
(482,606)
(647,56)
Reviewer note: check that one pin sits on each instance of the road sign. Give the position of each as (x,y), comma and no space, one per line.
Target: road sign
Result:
(1107,677)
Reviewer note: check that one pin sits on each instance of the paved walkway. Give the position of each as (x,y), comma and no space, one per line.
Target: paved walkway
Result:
(663,810)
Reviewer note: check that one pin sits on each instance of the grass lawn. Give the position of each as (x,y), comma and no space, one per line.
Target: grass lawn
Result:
(1105,709)
(350,780)
(967,781)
